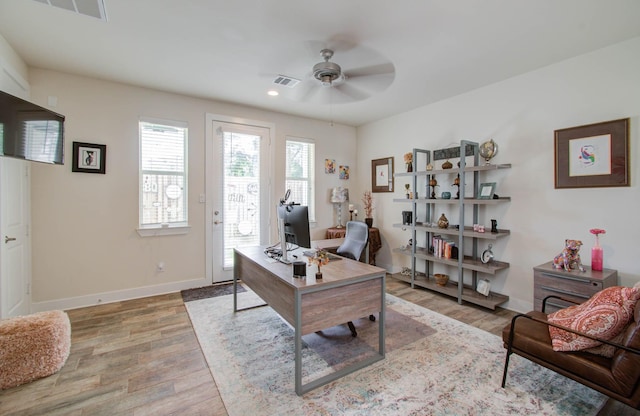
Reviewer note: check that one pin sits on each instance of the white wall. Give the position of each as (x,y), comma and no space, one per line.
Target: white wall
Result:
(521,114)
(85,247)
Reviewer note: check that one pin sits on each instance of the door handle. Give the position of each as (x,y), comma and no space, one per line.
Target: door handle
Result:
(7,239)
(217,222)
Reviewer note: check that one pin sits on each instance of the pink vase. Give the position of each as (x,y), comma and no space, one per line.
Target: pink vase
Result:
(596,256)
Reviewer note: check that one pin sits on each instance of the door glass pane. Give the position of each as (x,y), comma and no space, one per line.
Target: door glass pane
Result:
(241,193)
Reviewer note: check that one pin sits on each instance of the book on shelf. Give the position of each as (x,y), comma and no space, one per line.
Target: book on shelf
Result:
(443,247)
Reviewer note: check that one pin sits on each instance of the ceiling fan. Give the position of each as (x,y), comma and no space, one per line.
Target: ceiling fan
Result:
(360,74)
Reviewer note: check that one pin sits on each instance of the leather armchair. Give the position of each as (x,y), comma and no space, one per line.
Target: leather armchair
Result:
(618,377)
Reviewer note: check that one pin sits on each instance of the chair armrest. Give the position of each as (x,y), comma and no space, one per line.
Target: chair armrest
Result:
(544,301)
(573,331)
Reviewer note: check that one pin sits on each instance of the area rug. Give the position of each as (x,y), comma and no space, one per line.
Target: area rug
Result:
(434,365)
(211,291)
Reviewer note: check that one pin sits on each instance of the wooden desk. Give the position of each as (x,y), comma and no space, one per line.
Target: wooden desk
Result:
(349,290)
(375,243)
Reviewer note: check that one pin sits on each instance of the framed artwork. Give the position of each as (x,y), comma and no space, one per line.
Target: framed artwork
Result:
(382,175)
(344,172)
(89,158)
(329,166)
(594,155)
(486,190)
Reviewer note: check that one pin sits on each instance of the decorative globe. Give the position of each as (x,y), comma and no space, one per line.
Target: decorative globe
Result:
(488,150)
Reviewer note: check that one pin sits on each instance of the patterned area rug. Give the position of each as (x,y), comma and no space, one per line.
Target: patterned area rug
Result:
(211,291)
(434,366)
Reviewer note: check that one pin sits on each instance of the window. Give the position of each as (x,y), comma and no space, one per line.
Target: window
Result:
(300,177)
(163,174)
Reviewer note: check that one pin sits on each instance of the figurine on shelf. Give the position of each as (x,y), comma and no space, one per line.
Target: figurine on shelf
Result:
(433,183)
(456,182)
(443,222)
(406,187)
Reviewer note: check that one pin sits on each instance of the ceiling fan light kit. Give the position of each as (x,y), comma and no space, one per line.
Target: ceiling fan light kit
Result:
(326,72)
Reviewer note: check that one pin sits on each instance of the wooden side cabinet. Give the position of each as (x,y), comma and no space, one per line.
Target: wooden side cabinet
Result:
(574,285)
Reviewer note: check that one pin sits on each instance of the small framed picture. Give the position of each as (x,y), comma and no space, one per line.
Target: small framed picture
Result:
(344,172)
(382,175)
(89,158)
(486,190)
(329,166)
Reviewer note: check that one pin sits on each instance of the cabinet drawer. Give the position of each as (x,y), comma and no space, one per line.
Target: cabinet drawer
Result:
(552,304)
(570,286)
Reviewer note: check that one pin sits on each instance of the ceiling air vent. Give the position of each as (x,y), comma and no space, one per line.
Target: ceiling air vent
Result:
(286,81)
(92,8)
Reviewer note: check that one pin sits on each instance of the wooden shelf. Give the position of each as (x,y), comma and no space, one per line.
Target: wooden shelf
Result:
(491,301)
(468,263)
(455,201)
(480,168)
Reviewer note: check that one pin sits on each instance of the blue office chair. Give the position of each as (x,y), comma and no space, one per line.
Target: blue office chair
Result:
(355,241)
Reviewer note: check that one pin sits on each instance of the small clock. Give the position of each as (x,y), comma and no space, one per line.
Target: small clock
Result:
(487,255)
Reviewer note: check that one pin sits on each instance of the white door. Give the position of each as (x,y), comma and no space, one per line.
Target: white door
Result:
(15,271)
(238,194)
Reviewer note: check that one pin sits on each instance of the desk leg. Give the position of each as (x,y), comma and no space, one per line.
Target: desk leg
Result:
(298,344)
(381,320)
(235,290)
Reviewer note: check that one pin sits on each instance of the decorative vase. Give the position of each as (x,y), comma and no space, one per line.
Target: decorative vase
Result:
(410,167)
(443,222)
(369,222)
(596,256)
(318,275)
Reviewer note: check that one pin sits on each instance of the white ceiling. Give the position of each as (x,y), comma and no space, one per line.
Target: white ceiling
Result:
(231,50)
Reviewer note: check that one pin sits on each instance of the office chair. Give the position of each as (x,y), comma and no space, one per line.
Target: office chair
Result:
(355,241)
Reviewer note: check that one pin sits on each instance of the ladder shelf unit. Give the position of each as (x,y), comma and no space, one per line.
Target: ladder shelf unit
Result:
(423,227)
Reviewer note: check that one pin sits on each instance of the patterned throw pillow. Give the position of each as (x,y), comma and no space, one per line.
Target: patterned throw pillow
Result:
(604,315)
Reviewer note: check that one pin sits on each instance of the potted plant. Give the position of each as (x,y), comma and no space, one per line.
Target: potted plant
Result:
(368,208)
(408,160)
(320,258)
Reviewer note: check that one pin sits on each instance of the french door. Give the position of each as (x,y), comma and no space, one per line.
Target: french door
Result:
(238,190)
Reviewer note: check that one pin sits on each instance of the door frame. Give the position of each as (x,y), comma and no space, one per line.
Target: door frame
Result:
(209,182)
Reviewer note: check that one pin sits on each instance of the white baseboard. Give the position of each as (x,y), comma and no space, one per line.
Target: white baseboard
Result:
(116,296)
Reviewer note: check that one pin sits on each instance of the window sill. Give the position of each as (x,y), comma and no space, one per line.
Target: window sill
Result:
(159,230)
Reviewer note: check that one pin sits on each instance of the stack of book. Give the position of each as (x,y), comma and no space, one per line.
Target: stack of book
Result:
(443,247)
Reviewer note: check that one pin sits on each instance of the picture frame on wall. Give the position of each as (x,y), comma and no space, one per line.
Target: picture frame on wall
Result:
(89,158)
(382,175)
(593,155)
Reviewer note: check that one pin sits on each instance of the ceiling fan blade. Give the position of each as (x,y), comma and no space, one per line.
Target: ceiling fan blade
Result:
(337,43)
(347,93)
(373,79)
(306,91)
(386,68)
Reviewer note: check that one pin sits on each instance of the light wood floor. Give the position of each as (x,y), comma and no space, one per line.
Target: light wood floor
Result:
(141,357)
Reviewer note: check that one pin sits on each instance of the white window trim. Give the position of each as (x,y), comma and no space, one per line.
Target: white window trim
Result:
(312,221)
(154,231)
(178,228)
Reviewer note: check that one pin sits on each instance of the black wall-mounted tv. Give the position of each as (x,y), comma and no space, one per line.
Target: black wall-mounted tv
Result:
(30,132)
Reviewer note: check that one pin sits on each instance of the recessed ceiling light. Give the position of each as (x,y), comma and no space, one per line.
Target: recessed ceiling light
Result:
(273,93)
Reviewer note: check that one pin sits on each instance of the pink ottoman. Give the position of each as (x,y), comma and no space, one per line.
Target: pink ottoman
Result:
(33,346)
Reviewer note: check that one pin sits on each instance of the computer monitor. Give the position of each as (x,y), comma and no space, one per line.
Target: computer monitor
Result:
(293,227)
(296,224)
